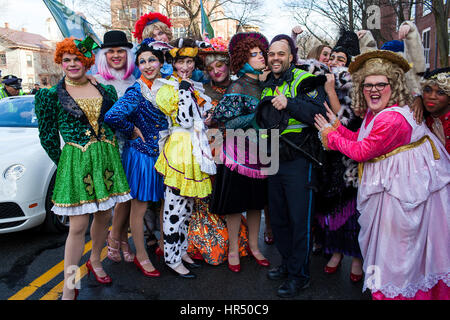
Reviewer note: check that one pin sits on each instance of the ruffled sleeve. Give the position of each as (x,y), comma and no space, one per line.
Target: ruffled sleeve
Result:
(167,101)
(117,116)
(46,108)
(390,131)
(235,110)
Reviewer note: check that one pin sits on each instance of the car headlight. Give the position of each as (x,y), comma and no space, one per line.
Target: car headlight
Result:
(14,172)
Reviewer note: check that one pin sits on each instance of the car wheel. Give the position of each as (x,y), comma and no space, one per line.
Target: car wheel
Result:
(54,223)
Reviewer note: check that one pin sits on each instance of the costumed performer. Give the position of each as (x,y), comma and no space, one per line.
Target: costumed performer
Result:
(185,161)
(90,178)
(404,175)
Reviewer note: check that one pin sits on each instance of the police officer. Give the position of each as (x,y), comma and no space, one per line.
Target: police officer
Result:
(297,96)
(12,86)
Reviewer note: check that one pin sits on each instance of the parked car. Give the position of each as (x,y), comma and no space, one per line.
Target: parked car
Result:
(27,173)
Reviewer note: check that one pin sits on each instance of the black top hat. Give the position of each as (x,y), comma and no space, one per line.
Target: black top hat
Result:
(12,81)
(115,38)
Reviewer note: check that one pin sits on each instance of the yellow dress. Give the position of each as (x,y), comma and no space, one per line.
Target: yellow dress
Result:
(176,162)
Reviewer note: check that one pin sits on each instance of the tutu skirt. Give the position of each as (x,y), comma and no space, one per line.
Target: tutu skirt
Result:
(89,180)
(145,183)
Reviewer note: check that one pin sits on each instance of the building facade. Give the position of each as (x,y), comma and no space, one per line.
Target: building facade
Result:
(28,56)
(124,14)
(424,19)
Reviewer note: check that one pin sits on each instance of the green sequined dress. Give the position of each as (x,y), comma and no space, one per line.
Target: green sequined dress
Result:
(90,176)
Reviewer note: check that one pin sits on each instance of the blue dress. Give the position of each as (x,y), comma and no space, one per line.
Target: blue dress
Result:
(139,157)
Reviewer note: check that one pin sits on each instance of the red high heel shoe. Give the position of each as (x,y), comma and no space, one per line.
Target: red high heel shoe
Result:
(154,273)
(159,253)
(331,270)
(104,280)
(262,262)
(355,277)
(234,267)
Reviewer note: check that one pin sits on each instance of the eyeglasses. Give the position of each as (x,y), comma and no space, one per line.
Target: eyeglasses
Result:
(378,86)
(254,54)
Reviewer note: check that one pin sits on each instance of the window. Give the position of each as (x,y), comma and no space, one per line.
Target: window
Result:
(426,46)
(178,12)
(413,12)
(29,60)
(2,59)
(133,13)
(179,32)
(147,9)
(128,14)
(426,7)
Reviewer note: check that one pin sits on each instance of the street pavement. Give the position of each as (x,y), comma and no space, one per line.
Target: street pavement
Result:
(31,269)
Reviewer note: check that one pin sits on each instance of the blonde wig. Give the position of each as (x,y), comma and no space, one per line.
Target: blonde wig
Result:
(149,29)
(211,57)
(441,80)
(400,94)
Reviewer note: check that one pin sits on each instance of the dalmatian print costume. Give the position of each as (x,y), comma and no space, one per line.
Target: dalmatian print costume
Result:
(178,207)
(176,217)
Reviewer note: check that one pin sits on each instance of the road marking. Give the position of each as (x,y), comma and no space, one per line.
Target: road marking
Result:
(56,292)
(45,278)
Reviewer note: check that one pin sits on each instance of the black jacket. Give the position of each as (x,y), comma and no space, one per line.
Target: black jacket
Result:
(308,102)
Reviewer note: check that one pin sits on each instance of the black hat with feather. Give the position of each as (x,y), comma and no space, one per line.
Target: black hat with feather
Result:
(347,43)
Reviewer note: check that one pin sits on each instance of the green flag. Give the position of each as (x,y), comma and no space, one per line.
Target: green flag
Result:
(206,26)
(70,23)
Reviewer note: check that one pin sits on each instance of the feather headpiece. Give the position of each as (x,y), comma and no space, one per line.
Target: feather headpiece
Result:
(147,19)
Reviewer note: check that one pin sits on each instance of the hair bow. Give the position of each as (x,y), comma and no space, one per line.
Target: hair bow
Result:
(86,46)
(184,52)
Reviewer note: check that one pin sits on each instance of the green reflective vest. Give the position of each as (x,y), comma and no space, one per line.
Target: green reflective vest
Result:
(4,94)
(290,91)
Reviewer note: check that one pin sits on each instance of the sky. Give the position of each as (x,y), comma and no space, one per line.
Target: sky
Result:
(31,15)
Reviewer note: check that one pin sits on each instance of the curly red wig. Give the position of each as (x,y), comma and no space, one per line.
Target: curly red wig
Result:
(68,46)
(241,53)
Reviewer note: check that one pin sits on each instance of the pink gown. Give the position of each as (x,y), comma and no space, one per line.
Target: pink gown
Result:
(404,204)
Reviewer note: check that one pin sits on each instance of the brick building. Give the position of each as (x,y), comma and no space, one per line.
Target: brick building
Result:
(125,13)
(423,18)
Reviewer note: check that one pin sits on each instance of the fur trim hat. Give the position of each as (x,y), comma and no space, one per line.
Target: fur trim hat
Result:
(347,43)
(389,56)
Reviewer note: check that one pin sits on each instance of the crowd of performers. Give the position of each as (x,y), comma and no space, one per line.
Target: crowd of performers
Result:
(363,155)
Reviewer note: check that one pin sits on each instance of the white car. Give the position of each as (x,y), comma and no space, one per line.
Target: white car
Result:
(27,174)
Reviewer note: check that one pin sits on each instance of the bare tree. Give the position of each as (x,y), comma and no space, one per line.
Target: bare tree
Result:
(440,10)
(244,12)
(345,14)
(104,16)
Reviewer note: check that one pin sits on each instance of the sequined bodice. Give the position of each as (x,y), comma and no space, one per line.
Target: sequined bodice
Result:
(91,108)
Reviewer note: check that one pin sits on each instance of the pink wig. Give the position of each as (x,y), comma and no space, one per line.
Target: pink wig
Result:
(104,69)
